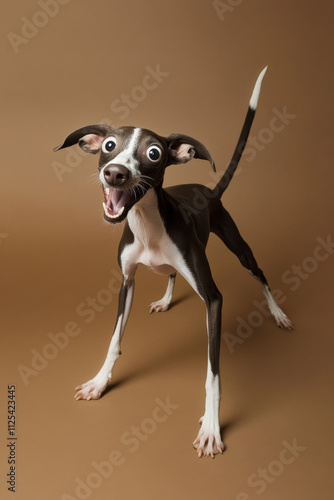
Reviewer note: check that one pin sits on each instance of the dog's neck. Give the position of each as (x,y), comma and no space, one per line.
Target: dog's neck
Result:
(145,219)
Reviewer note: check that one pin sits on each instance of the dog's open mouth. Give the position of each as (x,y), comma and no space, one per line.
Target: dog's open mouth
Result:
(117,202)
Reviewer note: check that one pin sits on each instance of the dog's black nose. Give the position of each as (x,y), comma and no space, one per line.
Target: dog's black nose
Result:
(116,175)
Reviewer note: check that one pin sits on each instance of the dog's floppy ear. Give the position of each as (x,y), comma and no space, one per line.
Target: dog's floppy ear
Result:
(182,148)
(89,138)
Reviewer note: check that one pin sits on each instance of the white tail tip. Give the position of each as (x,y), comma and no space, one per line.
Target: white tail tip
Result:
(256,92)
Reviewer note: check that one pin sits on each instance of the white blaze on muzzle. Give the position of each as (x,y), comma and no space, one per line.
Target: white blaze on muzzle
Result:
(127,156)
(117,199)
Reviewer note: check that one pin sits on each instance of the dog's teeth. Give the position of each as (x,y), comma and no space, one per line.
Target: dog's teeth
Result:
(109,215)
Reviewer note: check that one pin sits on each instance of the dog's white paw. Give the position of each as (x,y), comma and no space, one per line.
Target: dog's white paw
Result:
(208,441)
(281,318)
(159,306)
(92,389)
(283,321)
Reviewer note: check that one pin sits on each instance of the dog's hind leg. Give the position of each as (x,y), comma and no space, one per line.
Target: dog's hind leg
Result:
(163,304)
(225,228)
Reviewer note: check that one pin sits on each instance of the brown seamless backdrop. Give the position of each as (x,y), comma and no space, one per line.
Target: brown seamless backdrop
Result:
(177,66)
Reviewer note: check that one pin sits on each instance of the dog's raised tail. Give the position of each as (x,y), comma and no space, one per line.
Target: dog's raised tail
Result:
(227,177)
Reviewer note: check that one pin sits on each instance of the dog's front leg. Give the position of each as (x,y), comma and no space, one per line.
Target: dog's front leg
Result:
(95,387)
(208,441)
(197,272)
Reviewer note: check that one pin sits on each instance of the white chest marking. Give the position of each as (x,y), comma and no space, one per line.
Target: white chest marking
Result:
(152,246)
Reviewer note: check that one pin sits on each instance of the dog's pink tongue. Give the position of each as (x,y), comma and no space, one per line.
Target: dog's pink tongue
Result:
(116,199)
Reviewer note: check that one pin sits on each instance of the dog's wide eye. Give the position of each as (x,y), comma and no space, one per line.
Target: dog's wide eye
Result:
(153,153)
(109,145)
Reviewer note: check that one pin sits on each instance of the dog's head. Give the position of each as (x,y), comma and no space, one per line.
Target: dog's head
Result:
(132,161)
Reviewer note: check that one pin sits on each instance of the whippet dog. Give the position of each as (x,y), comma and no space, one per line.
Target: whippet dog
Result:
(167,230)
